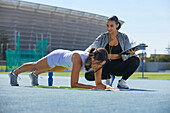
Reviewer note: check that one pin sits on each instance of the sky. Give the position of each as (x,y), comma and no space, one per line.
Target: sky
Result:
(146,21)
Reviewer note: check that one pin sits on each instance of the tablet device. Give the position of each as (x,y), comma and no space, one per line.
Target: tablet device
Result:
(139,47)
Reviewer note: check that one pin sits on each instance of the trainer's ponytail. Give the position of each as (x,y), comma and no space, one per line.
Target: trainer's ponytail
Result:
(119,26)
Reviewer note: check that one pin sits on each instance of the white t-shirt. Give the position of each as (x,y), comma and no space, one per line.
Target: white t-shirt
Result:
(61,57)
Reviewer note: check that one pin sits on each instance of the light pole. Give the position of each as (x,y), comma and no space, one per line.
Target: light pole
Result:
(143,62)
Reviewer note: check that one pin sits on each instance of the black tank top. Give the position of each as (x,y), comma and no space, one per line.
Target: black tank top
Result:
(115,50)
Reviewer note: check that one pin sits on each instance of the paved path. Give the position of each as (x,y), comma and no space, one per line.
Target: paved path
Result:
(149,96)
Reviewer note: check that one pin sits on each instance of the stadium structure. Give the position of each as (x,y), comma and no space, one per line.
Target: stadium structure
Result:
(64,28)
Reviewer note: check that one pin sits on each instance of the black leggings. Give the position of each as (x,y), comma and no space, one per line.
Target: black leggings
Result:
(120,68)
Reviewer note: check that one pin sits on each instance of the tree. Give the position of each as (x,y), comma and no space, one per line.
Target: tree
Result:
(164,58)
(159,58)
(3,43)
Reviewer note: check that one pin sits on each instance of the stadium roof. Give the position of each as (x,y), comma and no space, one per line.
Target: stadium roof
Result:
(34,7)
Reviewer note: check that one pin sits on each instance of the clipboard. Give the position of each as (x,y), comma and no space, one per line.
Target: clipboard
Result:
(139,47)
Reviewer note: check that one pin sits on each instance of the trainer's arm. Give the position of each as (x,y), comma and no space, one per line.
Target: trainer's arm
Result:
(77,64)
(96,43)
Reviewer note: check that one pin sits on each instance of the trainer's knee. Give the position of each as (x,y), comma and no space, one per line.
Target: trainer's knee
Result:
(135,60)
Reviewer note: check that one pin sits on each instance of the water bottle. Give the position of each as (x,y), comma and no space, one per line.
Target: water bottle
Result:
(50,78)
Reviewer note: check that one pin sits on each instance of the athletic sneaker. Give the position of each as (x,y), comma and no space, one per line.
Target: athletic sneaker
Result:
(13,79)
(110,80)
(122,84)
(34,79)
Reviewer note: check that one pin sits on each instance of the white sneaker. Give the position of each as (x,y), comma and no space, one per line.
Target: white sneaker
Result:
(110,80)
(13,79)
(34,79)
(122,84)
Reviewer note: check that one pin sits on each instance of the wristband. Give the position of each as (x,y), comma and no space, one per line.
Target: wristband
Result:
(105,87)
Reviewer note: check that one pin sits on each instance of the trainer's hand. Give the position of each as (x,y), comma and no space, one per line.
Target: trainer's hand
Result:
(132,52)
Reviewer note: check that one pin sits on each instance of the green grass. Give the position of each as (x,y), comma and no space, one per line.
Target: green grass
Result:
(152,75)
(149,75)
